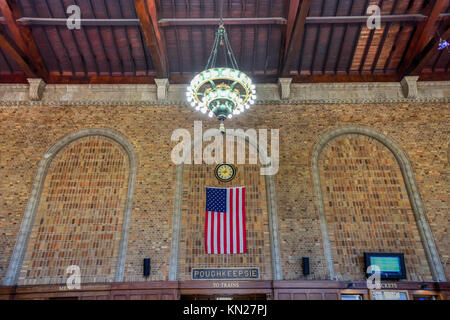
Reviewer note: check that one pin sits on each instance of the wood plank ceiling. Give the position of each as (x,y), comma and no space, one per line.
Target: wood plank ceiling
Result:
(136,41)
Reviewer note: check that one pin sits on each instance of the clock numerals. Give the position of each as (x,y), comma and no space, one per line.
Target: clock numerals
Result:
(225,172)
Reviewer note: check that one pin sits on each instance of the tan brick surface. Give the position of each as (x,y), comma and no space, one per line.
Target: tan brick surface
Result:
(367,207)
(422,130)
(80,214)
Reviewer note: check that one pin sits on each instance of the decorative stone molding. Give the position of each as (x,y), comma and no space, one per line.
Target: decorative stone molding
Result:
(176,223)
(26,226)
(277,273)
(285,87)
(162,86)
(409,86)
(37,87)
(426,235)
(300,93)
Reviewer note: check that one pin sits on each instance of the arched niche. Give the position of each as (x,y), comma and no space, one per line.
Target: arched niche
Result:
(271,209)
(26,226)
(426,235)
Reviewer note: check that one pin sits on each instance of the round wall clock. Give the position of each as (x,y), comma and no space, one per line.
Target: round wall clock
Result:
(225,172)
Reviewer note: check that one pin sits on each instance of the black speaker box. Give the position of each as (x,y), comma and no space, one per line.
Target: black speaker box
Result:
(305,265)
(146,267)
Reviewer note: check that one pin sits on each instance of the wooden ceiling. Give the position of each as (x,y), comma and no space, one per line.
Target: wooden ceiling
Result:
(136,41)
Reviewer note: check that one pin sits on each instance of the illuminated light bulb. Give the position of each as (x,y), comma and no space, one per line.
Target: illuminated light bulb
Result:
(192,104)
(252,102)
(230,116)
(254,91)
(253,97)
(210,114)
(247,106)
(253,87)
(189,99)
(197,108)
(203,110)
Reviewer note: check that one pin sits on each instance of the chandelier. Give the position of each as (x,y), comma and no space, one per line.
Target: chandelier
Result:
(221,91)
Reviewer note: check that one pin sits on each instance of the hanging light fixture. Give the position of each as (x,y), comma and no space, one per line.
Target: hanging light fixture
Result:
(221,91)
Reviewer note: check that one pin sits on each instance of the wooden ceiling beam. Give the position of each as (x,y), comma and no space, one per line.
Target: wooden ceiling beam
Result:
(425,34)
(215,21)
(292,15)
(413,18)
(185,78)
(168,22)
(15,53)
(295,40)
(146,12)
(21,46)
(423,57)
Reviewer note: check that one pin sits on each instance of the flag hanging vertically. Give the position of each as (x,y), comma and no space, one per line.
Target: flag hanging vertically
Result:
(225,221)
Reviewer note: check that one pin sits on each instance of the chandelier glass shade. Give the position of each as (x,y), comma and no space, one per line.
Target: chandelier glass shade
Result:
(221,91)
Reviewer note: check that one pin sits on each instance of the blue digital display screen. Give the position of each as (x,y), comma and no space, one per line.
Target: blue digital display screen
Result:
(391,265)
(386,264)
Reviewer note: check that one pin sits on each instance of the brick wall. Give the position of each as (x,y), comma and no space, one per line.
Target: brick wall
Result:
(367,207)
(80,214)
(420,129)
(193,216)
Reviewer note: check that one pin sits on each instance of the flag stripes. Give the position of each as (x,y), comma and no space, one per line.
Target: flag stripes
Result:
(225,231)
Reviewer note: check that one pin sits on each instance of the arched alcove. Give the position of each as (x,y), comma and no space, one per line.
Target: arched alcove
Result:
(271,211)
(423,227)
(28,219)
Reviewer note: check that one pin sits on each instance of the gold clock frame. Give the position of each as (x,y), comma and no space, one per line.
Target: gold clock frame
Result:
(216,170)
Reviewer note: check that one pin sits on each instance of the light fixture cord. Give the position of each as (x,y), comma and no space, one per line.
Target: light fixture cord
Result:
(221,11)
(222,39)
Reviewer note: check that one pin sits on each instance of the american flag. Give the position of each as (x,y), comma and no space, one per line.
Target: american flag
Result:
(225,221)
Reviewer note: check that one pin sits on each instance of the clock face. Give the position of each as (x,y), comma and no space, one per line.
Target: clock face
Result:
(225,172)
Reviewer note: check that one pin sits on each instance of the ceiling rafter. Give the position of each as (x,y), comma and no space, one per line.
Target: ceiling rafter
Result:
(17,55)
(297,34)
(146,12)
(291,14)
(423,57)
(282,25)
(414,57)
(21,46)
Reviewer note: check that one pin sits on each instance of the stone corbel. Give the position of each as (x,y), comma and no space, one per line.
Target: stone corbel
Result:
(285,87)
(162,87)
(37,87)
(409,86)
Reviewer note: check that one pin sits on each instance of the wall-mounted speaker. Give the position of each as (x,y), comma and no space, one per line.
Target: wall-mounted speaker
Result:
(146,267)
(305,265)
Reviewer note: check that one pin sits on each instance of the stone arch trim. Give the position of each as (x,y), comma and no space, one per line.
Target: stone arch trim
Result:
(26,226)
(277,273)
(426,235)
